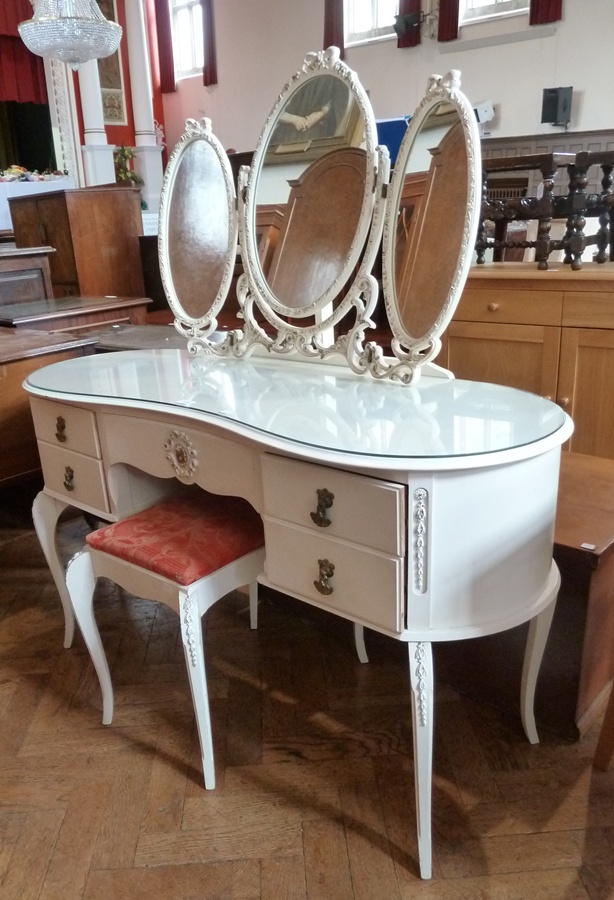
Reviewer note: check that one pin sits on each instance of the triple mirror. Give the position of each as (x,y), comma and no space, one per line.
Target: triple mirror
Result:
(312,213)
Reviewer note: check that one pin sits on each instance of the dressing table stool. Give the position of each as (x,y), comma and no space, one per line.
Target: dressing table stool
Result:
(186,552)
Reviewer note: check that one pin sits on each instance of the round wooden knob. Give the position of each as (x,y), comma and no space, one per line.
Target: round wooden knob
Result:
(492,307)
(563,402)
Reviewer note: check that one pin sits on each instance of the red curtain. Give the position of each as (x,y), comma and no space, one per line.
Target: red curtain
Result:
(165,47)
(543,11)
(22,74)
(333,25)
(12,12)
(448,20)
(210,67)
(412,38)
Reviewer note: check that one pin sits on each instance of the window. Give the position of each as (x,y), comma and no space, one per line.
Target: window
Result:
(369,19)
(471,10)
(187,25)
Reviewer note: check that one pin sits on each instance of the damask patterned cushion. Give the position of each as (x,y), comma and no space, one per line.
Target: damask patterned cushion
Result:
(184,538)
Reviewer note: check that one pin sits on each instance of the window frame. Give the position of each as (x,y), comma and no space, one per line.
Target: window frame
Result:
(506,8)
(176,7)
(372,34)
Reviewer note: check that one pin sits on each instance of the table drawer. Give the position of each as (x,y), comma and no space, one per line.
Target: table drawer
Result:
(367,586)
(77,478)
(513,307)
(363,510)
(70,427)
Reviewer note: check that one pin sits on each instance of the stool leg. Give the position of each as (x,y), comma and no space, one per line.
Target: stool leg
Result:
(359,641)
(192,636)
(253,605)
(80,581)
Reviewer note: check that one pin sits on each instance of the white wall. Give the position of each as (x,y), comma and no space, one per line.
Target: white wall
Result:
(261,43)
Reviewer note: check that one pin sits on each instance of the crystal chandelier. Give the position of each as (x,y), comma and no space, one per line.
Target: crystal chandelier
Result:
(72,31)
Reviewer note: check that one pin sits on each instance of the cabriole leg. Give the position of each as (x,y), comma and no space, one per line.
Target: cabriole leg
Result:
(46,511)
(81,582)
(539,629)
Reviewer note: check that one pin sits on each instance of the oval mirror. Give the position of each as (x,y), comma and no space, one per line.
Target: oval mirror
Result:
(197,241)
(431,218)
(310,193)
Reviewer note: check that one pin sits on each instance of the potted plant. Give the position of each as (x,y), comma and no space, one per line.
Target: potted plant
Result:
(124,173)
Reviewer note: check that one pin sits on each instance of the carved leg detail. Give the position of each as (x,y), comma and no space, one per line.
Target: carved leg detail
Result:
(421,675)
(46,511)
(539,629)
(192,636)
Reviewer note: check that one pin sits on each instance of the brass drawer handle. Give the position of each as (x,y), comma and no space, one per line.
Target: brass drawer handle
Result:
(325,501)
(60,429)
(327,570)
(492,307)
(69,478)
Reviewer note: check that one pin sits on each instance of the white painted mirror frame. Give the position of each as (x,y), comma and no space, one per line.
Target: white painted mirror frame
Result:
(362,289)
(196,329)
(410,351)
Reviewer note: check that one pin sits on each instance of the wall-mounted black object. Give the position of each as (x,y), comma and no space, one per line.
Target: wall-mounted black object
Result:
(556,105)
(405,24)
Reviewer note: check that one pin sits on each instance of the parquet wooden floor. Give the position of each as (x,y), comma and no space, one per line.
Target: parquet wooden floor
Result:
(313,755)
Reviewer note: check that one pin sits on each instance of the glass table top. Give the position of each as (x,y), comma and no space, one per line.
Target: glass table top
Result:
(312,404)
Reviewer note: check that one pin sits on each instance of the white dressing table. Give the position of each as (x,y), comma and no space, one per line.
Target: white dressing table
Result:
(444,494)
(391,494)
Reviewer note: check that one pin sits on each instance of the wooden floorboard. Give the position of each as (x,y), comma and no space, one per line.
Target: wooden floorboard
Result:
(315,794)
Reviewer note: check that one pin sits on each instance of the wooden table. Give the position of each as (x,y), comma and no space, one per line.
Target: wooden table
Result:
(21,353)
(74,314)
(578,664)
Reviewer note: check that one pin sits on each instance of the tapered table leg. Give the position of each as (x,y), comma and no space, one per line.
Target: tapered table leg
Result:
(421,675)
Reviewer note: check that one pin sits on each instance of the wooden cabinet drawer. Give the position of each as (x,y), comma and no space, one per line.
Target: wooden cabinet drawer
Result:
(364,510)
(512,307)
(588,310)
(367,586)
(76,478)
(70,427)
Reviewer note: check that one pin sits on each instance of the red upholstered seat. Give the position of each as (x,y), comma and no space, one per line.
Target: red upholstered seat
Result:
(184,538)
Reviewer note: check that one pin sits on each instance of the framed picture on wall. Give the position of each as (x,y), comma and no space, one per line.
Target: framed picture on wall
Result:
(111,76)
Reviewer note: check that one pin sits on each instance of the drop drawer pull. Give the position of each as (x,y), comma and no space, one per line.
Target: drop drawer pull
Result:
(69,478)
(60,429)
(327,570)
(325,501)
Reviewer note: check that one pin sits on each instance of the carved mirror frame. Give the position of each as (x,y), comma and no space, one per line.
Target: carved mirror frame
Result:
(196,328)
(413,351)
(355,278)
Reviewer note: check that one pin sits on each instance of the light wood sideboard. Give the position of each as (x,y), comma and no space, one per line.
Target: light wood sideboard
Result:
(548,332)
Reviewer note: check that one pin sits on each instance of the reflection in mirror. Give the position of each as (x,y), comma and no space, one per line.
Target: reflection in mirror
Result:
(315,165)
(431,219)
(198,231)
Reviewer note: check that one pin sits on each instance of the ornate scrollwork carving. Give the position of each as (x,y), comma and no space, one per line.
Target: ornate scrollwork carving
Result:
(421,674)
(181,454)
(420,538)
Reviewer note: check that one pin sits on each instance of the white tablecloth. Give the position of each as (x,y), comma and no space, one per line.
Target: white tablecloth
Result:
(19,188)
